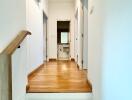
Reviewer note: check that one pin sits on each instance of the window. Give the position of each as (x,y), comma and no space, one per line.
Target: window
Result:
(64,37)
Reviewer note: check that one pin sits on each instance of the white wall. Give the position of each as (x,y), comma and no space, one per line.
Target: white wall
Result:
(76,36)
(17,15)
(45,18)
(95,36)
(117,64)
(34,21)
(109,49)
(45,37)
(12,20)
(59,10)
(85,36)
(27,16)
(80,30)
(45,6)
(19,77)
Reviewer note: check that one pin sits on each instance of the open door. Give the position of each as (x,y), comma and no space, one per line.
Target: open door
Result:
(76,37)
(81,34)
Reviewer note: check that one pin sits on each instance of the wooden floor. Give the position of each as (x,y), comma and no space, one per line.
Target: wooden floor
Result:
(58,76)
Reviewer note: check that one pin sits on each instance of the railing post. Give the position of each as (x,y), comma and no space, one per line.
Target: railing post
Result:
(5,77)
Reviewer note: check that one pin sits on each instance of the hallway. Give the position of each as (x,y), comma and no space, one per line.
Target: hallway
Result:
(96,45)
(59,76)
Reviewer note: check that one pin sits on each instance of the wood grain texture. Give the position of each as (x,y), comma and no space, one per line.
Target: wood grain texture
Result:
(5,78)
(6,66)
(59,77)
(35,71)
(16,42)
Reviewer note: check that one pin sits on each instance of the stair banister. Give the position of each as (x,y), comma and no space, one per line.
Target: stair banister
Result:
(6,66)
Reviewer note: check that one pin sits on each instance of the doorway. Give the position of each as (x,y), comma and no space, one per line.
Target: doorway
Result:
(63,40)
(79,37)
(45,37)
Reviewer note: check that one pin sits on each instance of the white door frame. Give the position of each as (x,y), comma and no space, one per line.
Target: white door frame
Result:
(76,37)
(68,39)
(45,53)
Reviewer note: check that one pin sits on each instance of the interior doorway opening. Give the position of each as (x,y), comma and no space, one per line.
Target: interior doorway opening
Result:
(63,40)
(45,54)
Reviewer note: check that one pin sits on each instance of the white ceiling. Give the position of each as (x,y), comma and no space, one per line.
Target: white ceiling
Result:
(61,0)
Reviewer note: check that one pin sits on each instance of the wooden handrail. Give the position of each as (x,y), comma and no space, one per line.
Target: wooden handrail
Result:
(6,66)
(16,42)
